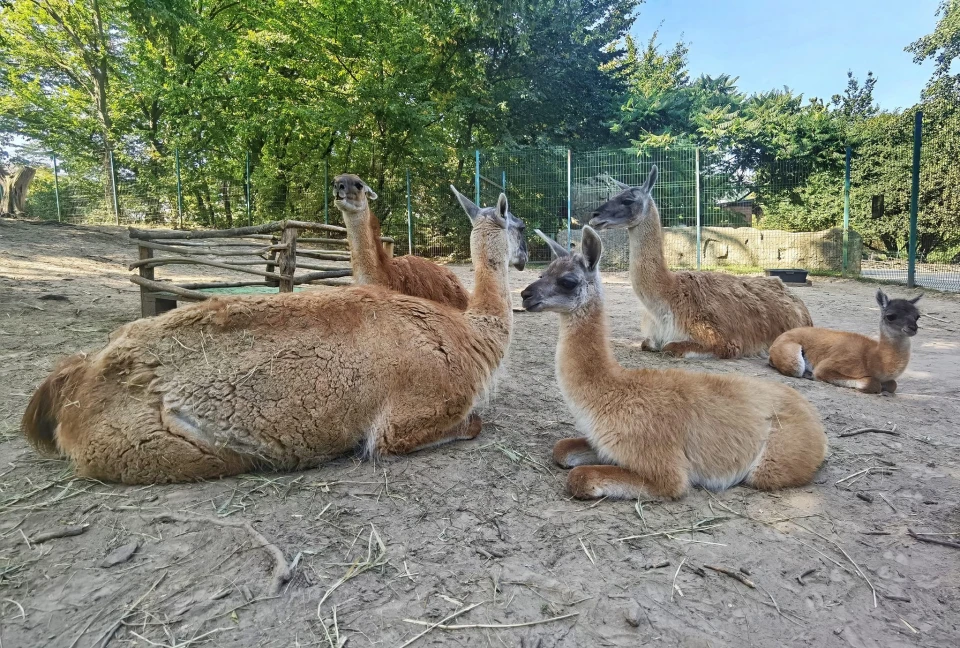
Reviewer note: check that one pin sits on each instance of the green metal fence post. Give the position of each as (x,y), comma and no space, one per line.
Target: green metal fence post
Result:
(914,200)
(696,170)
(326,191)
(113,184)
(176,157)
(409,218)
(846,211)
(249,197)
(476,178)
(56,185)
(569,196)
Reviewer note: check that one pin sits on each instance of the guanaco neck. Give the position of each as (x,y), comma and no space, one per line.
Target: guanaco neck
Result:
(585,362)
(491,289)
(648,268)
(899,344)
(369,259)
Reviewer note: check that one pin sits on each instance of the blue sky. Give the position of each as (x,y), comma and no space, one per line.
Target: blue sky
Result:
(808,46)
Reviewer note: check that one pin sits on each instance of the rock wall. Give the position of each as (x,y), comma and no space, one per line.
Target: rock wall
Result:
(745,247)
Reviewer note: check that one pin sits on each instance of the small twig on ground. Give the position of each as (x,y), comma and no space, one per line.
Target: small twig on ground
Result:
(23,612)
(440,623)
(107,635)
(845,555)
(691,529)
(85,628)
(376,557)
(180,645)
(883,497)
(896,597)
(675,588)
(586,551)
(494,626)
(868,430)
(282,572)
(920,538)
(62,532)
(819,535)
(805,574)
(732,574)
(877,469)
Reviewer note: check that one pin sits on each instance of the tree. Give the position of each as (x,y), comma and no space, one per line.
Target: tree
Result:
(943,46)
(13,190)
(59,67)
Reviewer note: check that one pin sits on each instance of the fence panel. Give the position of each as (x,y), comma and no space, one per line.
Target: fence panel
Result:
(776,214)
(535,181)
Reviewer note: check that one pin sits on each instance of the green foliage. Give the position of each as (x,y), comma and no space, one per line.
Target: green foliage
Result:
(943,46)
(313,88)
(370,86)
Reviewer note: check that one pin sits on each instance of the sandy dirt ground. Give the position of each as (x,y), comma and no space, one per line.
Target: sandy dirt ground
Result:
(380,549)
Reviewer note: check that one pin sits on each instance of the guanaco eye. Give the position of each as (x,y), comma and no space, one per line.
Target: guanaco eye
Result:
(628,201)
(568,282)
(890,318)
(359,186)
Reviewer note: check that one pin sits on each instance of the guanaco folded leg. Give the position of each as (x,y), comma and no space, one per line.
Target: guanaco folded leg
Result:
(415,435)
(888,387)
(575,451)
(593,482)
(647,345)
(826,372)
(706,341)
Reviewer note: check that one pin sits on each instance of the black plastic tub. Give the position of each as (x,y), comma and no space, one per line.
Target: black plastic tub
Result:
(788,275)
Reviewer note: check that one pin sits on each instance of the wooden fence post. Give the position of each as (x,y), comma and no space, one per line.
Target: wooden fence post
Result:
(287,259)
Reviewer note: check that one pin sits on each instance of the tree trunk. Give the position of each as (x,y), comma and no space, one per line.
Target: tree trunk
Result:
(14,187)
(227,207)
(205,215)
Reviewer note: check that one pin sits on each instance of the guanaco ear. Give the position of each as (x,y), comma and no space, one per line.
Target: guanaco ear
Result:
(591,246)
(371,194)
(882,299)
(557,249)
(651,179)
(622,185)
(503,211)
(467,204)
(915,299)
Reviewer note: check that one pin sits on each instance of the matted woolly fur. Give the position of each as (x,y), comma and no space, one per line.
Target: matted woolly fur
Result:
(657,433)
(850,359)
(691,314)
(283,382)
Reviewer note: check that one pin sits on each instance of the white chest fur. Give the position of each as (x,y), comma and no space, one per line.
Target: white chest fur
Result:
(658,323)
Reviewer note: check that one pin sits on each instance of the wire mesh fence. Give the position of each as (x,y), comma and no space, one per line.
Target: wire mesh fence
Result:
(716,212)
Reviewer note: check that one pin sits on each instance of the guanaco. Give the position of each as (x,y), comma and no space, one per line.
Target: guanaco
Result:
(649,432)
(281,382)
(851,359)
(410,275)
(695,314)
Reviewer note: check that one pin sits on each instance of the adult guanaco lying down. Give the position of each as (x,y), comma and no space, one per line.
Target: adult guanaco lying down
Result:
(851,359)
(651,432)
(410,275)
(281,382)
(695,314)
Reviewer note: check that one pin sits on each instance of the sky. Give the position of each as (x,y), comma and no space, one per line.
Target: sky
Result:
(808,45)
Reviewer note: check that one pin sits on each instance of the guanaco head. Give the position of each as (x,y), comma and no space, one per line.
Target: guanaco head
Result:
(627,208)
(351,195)
(571,281)
(499,217)
(898,316)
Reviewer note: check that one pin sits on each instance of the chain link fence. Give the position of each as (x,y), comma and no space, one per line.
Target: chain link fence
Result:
(780,213)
